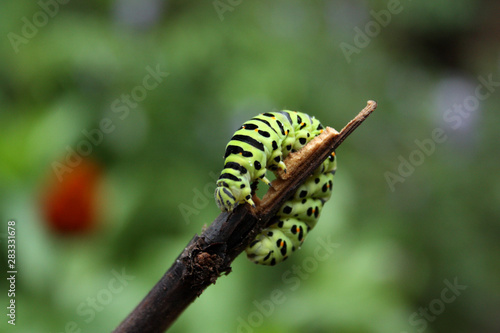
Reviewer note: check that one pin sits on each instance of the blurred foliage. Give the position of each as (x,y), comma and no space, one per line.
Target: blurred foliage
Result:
(397,242)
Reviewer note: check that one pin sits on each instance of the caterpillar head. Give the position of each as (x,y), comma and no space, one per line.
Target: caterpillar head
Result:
(228,195)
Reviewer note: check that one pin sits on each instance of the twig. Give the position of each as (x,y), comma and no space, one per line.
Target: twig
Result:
(209,255)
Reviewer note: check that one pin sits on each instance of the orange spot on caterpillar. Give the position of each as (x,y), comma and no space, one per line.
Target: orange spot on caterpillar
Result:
(256,130)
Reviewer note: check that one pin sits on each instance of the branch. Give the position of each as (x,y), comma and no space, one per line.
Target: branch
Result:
(209,255)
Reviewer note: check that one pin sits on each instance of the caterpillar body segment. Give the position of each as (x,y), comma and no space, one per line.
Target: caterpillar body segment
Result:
(294,220)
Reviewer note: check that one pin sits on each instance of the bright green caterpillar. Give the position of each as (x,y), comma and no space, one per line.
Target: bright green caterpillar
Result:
(264,142)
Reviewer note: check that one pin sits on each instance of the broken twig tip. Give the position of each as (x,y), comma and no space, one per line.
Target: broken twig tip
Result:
(371,105)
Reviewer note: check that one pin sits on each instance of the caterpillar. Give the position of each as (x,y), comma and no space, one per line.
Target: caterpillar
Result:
(261,144)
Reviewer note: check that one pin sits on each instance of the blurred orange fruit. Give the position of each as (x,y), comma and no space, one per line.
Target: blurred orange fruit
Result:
(69,202)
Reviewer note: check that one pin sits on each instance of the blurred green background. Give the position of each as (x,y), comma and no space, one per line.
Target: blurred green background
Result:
(415,206)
